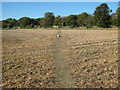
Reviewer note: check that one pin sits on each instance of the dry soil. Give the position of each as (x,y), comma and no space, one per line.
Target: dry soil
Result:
(77,59)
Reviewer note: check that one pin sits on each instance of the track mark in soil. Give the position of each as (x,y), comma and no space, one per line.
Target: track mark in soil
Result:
(63,78)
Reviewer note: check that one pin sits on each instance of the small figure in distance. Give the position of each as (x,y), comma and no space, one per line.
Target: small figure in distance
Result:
(58,35)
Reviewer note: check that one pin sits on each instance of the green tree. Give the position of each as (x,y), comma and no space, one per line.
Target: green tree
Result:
(58,21)
(9,23)
(118,16)
(89,21)
(37,21)
(64,21)
(4,23)
(102,16)
(24,22)
(42,22)
(72,21)
(114,19)
(48,19)
(81,19)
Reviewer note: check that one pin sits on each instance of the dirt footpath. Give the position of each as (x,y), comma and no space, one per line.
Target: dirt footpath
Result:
(79,58)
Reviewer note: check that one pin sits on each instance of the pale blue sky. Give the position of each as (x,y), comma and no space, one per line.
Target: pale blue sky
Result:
(37,9)
(60,0)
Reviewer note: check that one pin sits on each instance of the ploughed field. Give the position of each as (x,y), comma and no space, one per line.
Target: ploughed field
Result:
(77,59)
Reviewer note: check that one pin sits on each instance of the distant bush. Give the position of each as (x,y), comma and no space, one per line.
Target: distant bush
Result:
(88,27)
(30,26)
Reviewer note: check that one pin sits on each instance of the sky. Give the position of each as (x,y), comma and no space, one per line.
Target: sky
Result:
(37,9)
(60,0)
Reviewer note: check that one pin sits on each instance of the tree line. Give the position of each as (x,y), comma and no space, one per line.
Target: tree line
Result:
(100,18)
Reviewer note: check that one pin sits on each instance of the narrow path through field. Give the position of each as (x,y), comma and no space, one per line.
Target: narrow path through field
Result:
(63,78)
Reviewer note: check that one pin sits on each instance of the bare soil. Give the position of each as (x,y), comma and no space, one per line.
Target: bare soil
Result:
(77,59)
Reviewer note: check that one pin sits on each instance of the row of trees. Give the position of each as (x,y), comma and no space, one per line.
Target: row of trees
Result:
(100,18)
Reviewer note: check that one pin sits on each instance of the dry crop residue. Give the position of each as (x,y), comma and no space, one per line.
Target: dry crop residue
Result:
(79,58)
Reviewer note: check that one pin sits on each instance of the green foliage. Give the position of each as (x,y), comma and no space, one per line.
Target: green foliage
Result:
(24,22)
(58,21)
(64,21)
(72,21)
(48,20)
(118,14)
(114,19)
(30,26)
(42,22)
(4,24)
(102,16)
(89,21)
(9,23)
(81,19)
(37,21)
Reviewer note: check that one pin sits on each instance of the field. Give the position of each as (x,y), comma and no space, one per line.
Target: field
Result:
(77,59)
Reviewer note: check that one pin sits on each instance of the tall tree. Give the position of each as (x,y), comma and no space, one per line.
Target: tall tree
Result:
(118,15)
(81,19)
(102,16)
(114,19)
(37,21)
(64,21)
(9,23)
(89,21)
(58,21)
(25,22)
(72,21)
(48,19)
(4,23)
